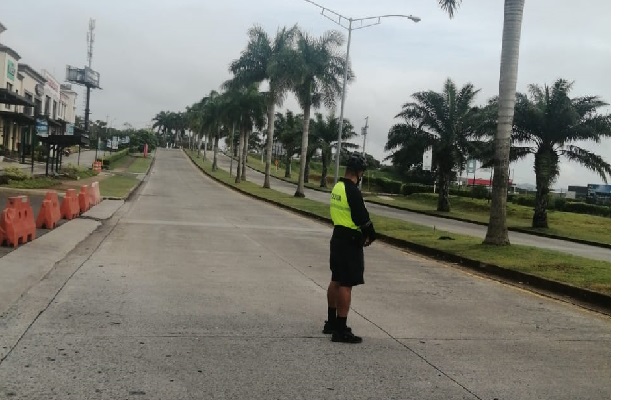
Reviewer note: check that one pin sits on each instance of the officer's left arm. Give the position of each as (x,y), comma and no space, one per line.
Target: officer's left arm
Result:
(360,215)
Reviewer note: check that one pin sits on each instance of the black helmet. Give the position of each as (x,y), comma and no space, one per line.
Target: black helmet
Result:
(356,162)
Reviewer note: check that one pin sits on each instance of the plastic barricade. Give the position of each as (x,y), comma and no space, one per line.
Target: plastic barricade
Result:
(70,206)
(94,193)
(50,212)
(84,201)
(18,222)
(97,166)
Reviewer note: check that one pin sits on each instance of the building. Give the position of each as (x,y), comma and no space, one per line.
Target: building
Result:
(34,108)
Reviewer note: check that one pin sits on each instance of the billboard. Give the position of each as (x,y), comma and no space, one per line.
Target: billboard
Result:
(41,126)
(83,76)
(69,129)
(599,194)
(427,160)
(10,69)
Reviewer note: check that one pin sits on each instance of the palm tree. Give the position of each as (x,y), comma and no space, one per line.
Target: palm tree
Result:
(267,60)
(211,115)
(320,72)
(548,124)
(444,122)
(325,132)
(497,232)
(288,131)
(252,106)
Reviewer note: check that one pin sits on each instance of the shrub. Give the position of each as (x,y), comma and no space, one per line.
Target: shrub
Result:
(387,185)
(560,203)
(479,192)
(591,209)
(76,172)
(15,174)
(107,161)
(411,188)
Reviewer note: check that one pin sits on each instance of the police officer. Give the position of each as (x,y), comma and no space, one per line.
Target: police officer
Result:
(353,230)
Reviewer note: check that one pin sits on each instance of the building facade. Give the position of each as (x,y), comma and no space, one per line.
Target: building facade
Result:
(33,105)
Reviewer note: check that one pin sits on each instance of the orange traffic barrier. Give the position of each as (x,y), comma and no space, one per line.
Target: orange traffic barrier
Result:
(10,230)
(70,206)
(50,212)
(97,166)
(83,198)
(18,222)
(94,193)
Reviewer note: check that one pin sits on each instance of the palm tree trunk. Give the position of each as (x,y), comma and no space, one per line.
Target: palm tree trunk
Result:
(288,173)
(240,154)
(497,232)
(306,178)
(539,220)
(232,150)
(245,154)
(269,148)
(215,163)
(324,172)
(304,139)
(443,191)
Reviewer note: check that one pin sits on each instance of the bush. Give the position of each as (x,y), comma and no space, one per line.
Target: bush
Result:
(15,174)
(76,172)
(591,209)
(387,185)
(107,161)
(528,201)
(560,203)
(411,188)
(479,192)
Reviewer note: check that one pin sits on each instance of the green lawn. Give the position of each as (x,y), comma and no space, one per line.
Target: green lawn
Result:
(140,164)
(117,186)
(568,225)
(577,271)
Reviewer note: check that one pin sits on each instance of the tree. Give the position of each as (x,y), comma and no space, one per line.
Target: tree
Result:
(211,121)
(325,132)
(549,124)
(288,130)
(320,70)
(444,122)
(497,232)
(269,60)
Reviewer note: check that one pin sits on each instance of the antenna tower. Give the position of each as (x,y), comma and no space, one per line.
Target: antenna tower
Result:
(90,53)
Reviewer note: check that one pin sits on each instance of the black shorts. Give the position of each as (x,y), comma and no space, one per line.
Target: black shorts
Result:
(346,261)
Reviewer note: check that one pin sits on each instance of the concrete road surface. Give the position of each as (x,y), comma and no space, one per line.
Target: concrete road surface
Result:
(449,225)
(192,291)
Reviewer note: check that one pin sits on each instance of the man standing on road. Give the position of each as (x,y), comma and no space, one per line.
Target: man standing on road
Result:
(353,230)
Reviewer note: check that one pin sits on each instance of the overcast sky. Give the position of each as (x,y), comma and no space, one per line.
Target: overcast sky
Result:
(158,55)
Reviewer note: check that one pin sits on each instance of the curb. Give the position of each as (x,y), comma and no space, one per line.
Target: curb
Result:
(588,299)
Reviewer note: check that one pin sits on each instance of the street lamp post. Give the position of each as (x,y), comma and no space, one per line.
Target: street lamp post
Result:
(342,21)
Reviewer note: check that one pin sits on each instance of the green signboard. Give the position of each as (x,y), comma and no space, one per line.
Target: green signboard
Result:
(11,70)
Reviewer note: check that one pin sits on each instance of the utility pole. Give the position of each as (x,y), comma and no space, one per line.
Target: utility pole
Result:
(364,129)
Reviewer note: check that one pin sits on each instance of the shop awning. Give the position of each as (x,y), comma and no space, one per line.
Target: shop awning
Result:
(65,140)
(7,97)
(19,118)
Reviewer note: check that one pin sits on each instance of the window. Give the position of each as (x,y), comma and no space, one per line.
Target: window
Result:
(10,89)
(47,106)
(28,110)
(54,109)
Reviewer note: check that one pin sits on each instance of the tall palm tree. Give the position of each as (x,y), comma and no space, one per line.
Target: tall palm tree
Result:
(320,70)
(549,125)
(325,133)
(268,60)
(444,122)
(288,130)
(252,109)
(212,121)
(497,232)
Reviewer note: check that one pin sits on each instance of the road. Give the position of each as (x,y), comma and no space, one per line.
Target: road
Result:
(193,291)
(449,225)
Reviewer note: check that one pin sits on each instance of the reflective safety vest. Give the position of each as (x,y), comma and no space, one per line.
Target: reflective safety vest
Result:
(339,207)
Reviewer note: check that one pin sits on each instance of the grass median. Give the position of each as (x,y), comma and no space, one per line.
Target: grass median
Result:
(568,225)
(560,267)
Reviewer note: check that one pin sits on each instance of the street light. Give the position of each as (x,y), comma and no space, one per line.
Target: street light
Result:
(342,21)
